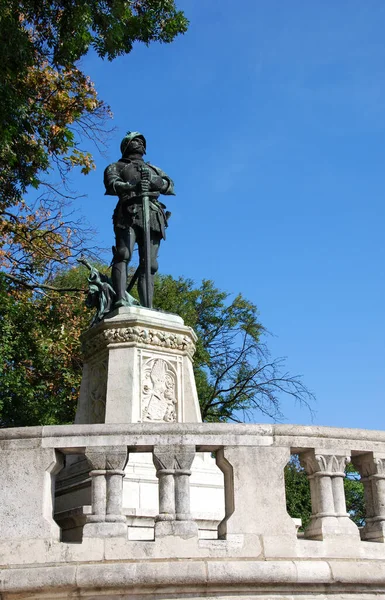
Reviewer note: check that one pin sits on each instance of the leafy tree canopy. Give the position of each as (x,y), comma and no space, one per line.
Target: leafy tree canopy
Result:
(49,107)
(40,361)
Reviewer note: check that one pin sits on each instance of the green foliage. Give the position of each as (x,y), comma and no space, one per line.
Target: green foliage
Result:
(354,494)
(65,30)
(298,502)
(40,361)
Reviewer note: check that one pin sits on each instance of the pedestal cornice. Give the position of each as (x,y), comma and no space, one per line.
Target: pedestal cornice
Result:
(140,327)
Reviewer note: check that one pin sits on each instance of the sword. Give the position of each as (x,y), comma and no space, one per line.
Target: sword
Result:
(145,173)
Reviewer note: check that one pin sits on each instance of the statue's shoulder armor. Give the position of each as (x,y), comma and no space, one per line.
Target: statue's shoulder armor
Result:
(111,173)
(169,191)
(157,170)
(113,170)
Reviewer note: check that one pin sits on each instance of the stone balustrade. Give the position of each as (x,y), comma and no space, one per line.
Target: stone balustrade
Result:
(257,553)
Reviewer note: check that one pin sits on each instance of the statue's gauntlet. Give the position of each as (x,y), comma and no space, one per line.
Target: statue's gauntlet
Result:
(122,187)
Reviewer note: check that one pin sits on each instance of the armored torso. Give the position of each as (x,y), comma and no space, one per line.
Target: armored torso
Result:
(128,212)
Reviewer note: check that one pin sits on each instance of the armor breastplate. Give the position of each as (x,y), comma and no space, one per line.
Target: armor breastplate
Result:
(130,171)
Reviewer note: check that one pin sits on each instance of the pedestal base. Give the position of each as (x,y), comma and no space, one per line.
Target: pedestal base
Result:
(138,368)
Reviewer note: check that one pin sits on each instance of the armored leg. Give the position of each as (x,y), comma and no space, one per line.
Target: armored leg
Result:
(155,243)
(125,241)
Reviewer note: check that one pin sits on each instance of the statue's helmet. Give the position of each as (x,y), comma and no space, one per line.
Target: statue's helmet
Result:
(130,135)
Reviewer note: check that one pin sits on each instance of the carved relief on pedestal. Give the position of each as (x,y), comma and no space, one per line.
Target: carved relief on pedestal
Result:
(139,335)
(98,390)
(159,390)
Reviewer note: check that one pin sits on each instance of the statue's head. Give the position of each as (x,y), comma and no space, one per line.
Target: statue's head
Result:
(133,143)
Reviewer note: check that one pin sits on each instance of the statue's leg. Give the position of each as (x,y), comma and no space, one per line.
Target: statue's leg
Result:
(125,241)
(154,249)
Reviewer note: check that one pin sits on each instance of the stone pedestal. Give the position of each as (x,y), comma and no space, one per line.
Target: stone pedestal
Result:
(138,368)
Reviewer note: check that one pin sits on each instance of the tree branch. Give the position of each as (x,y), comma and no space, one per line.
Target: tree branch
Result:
(42,286)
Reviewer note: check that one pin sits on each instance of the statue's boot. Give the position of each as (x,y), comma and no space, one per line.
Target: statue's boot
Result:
(119,282)
(142,290)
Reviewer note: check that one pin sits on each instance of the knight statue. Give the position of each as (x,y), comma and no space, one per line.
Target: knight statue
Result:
(139,217)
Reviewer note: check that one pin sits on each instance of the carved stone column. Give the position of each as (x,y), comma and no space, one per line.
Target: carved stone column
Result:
(371,467)
(183,460)
(173,465)
(164,460)
(107,474)
(326,472)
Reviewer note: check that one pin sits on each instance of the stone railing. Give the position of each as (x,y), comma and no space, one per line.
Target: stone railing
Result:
(257,553)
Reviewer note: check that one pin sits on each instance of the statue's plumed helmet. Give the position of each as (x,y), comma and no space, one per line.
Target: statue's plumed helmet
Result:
(130,135)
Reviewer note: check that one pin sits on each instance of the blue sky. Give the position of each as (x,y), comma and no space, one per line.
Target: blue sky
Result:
(270,118)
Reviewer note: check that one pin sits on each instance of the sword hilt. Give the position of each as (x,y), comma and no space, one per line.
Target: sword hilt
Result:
(145,179)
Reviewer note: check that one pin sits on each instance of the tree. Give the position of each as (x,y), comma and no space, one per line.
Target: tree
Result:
(49,107)
(41,361)
(354,493)
(298,501)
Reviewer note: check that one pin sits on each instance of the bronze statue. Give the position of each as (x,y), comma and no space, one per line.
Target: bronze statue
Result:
(139,217)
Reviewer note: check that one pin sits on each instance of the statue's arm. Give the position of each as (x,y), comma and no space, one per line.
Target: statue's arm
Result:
(114,184)
(166,185)
(111,177)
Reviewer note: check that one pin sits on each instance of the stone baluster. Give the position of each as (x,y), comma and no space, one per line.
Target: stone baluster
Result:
(99,495)
(183,461)
(254,493)
(107,474)
(326,472)
(164,459)
(173,465)
(371,467)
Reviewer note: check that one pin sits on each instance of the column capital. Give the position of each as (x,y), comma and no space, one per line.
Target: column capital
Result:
(107,458)
(173,458)
(317,462)
(370,464)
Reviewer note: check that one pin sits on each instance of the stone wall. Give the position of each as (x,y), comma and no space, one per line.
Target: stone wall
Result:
(257,553)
